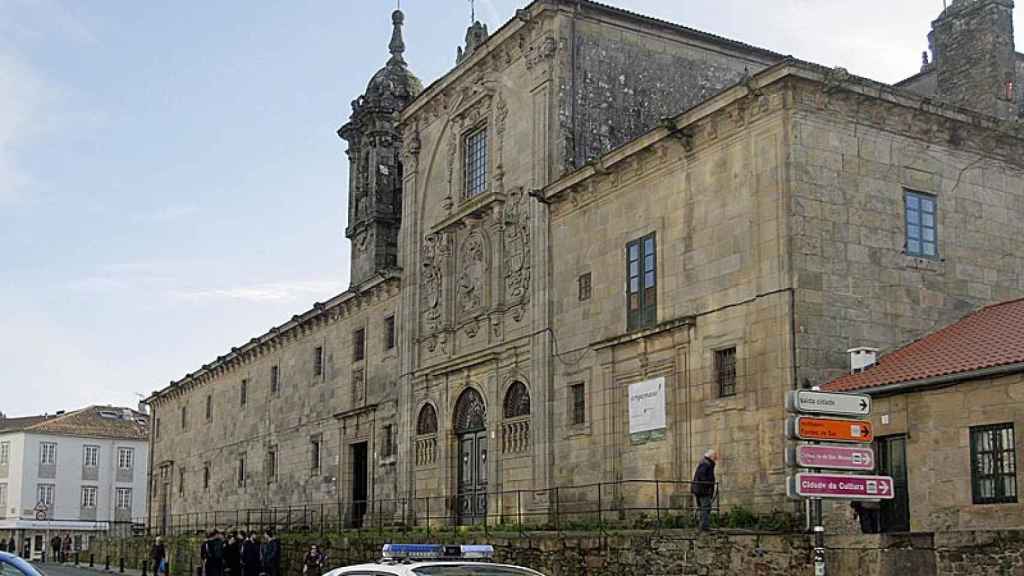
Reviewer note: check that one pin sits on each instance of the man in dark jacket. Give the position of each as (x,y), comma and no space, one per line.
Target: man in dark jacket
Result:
(233,555)
(250,556)
(213,554)
(157,554)
(703,487)
(271,554)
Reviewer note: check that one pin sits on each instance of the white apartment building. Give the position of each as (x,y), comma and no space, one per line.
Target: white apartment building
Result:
(72,474)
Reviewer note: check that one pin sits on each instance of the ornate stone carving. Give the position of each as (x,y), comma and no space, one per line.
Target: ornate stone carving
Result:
(470,412)
(432,282)
(358,387)
(516,232)
(472,328)
(540,50)
(473,273)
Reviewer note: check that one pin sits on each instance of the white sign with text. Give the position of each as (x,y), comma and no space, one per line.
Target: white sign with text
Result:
(647,406)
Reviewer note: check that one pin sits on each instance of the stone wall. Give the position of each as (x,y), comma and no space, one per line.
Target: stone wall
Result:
(639,553)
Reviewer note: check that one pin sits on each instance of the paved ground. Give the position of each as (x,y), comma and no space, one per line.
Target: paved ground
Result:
(51,569)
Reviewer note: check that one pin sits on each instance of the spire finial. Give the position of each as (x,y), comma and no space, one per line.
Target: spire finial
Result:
(397,45)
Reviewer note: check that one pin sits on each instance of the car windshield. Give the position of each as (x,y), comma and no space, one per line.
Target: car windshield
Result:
(473,570)
(20,568)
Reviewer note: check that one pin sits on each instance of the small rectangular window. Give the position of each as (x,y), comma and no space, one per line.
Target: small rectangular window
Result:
(125,458)
(389,440)
(359,344)
(91,456)
(206,476)
(579,404)
(921,225)
(314,454)
(641,283)
(156,428)
(88,496)
(583,286)
(389,332)
(184,417)
(725,372)
(123,498)
(993,464)
(181,481)
(318,361)
(275,382)
(5,452)
(271,465)
(241,471)
(209,408)
(243,392)
(48,453)
(3,495)
(44,494)
(474,150)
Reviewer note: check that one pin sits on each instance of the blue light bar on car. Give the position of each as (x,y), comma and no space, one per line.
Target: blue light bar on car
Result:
(437,551)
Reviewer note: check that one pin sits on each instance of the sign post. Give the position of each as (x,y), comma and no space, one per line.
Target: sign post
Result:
(816,422)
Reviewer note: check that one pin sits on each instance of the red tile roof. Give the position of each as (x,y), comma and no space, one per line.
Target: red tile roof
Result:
(990,337)
(92,422)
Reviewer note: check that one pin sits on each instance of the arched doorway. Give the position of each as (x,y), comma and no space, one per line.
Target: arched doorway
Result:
(471,435)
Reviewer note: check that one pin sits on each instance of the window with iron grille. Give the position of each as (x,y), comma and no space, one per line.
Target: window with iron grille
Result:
(474,152)
(993,464)
(921,225)
(241,471)
(641,283)
(209,408)
(583,286)
(318,361)
(389,332)
(243,392)
(275,382)
(359,344)
(579,404)
(725,372)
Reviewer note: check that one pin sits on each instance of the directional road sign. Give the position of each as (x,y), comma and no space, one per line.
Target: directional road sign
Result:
(829,429)
(831,456)
(841,487)
(813,402)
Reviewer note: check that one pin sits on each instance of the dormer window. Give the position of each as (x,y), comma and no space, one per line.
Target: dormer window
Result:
(474,159)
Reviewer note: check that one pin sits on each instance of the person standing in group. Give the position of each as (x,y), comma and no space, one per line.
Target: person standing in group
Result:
(250,556)
(157,554)
(313,563)
(66,550)
(703,487)
(271,554)
(212,554)
(233,555)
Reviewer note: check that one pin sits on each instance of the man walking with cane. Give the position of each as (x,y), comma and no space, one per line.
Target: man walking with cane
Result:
(703,487)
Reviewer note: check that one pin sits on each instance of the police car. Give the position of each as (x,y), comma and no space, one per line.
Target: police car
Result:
(434,560)
(12,565)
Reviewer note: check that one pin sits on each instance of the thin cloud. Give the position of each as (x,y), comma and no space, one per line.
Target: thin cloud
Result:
(24,95)
(270,292)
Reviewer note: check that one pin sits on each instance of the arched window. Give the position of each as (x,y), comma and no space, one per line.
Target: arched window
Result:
(517,401)
(426,423)
(470,412)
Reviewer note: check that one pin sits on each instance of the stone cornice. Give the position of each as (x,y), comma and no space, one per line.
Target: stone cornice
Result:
(351,301)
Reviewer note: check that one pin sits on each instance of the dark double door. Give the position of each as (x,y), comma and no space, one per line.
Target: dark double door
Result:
(360,483)
(472,487)
(892,461)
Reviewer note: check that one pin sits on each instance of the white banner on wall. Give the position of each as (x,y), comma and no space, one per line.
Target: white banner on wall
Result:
(647,410)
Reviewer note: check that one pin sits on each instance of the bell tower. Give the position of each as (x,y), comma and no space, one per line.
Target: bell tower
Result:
(375,168)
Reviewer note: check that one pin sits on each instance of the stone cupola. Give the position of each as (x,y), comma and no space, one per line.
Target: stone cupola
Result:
(375,169)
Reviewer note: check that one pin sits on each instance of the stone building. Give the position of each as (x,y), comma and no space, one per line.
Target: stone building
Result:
(597,246)
(947,410)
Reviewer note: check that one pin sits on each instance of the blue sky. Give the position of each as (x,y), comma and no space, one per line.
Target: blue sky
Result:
(170,180)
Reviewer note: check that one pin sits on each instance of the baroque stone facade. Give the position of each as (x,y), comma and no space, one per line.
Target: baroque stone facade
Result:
(722,232)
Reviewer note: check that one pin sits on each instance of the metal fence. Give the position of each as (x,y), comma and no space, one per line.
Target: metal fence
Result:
(620,504)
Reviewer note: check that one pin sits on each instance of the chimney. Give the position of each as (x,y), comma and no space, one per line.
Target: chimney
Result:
(974,57)
(862,358)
